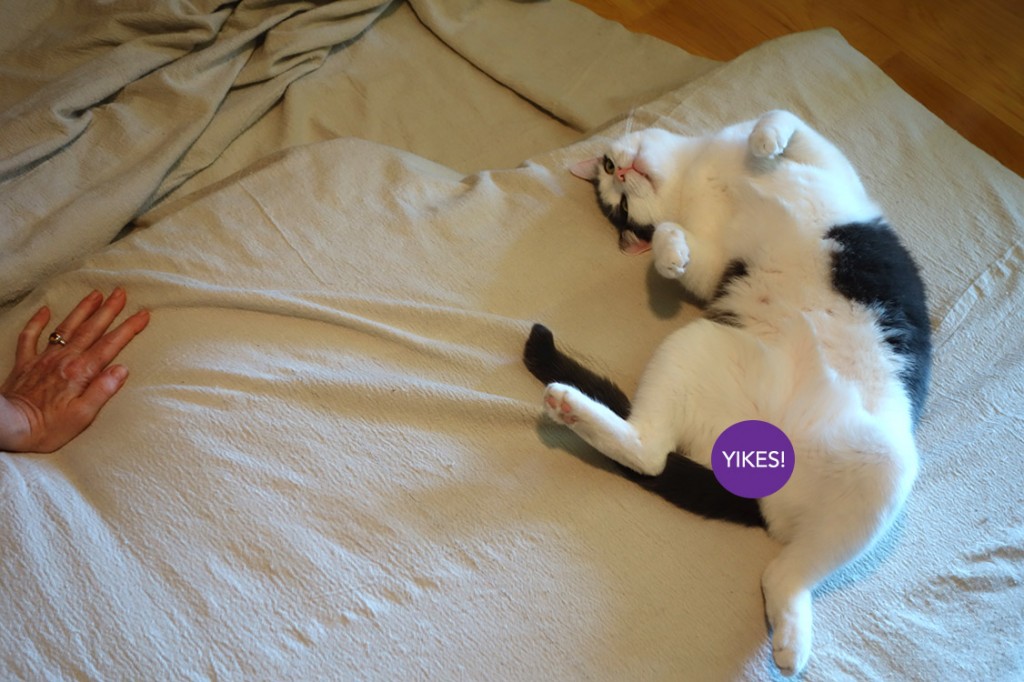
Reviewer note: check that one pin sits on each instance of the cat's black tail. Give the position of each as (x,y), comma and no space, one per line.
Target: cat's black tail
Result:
(684,483)
(551,365)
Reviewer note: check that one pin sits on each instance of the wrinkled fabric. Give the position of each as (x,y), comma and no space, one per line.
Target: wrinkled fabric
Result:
(329,463)
(108,108)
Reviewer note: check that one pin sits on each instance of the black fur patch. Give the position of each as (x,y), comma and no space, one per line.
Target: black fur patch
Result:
(871,266)
(684,483)
(549,365)
(719,316)
(621,220)
(736,269)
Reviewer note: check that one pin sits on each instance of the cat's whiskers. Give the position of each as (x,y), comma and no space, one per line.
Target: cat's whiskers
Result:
(629,120)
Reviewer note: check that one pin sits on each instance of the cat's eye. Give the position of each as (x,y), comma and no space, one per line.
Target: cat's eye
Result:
(609,166)
(624,205)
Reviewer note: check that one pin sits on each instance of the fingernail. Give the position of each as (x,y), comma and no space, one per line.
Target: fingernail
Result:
(119,372)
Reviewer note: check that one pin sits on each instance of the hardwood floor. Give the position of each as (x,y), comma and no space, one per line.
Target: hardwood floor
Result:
(962,60)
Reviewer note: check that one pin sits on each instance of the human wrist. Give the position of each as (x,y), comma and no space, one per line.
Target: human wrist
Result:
(14,426)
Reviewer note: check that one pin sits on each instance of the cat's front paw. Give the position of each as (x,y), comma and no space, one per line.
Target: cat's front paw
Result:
(671,252)
(772,134)
(767,142)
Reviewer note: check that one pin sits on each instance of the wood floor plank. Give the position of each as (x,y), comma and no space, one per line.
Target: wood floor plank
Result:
(962,60)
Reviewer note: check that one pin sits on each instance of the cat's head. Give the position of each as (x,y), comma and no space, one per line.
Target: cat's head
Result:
(631,180)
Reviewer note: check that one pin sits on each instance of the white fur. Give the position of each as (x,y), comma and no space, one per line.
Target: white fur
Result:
(805,359)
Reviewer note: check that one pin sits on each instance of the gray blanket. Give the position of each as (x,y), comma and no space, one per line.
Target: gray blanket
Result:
(106,111)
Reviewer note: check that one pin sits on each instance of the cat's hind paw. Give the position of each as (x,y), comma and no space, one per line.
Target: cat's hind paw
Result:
(791,659)
(791,639)
(558,404)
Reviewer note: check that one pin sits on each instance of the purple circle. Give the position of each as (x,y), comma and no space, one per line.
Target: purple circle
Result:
(753,459)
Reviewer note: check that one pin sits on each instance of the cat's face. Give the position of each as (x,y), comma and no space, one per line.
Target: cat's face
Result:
(630,179)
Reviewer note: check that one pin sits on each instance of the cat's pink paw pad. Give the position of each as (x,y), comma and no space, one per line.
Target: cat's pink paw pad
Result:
(559,405)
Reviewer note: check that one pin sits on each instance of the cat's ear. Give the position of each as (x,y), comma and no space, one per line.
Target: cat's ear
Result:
(588,169)
(631,244)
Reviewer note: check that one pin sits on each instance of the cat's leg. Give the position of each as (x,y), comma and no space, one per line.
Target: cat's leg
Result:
(843,524)
(671,247)
(787,587)
(641,442)
(784,134)
(662,418)
(772,134)
(644,450)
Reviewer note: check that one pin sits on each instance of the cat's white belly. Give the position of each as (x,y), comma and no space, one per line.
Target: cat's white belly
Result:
(850,424)
(853,348)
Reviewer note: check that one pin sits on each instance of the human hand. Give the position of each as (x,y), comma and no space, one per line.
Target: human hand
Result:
(52,396)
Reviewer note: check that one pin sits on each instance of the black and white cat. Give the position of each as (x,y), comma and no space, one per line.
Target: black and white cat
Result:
(815,321)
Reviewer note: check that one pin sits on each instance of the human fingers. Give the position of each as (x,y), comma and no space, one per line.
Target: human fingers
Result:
(28,339)
(114,341)
(95,325)
(81,312)
(100,390)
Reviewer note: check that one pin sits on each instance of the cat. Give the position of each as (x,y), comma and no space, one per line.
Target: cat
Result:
(815,320)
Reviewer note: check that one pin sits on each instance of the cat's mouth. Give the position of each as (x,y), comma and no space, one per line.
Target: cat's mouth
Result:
(639,166)
(635,240)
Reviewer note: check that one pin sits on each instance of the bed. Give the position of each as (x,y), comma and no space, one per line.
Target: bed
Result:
(329,462)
